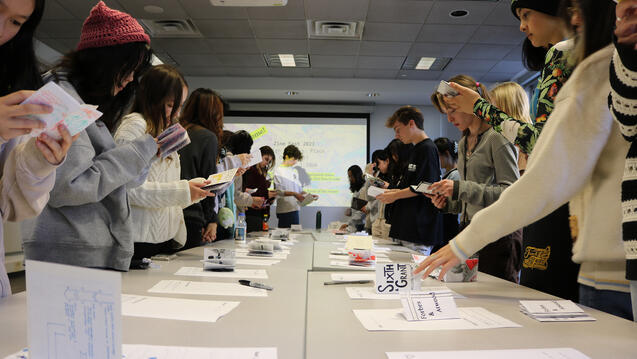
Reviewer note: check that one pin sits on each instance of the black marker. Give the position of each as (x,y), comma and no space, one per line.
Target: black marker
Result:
(254,284)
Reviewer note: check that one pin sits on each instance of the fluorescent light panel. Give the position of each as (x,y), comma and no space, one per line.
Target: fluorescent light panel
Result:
(287,60)
(425,63)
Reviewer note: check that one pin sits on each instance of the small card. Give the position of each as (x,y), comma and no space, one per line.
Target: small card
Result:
(429,306)
(374,191)
(422,187)
(255,157)
(66,109)
(445,89)
(396,277)
(219,179)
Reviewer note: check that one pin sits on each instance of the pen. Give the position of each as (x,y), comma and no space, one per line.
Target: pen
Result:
(254,284)
(349,282)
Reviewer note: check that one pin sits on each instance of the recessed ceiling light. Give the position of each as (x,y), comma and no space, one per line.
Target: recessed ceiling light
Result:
(287,60)
(373,94)
(291,93)
(459,13)
(425,63)
(403,75)
(152,9)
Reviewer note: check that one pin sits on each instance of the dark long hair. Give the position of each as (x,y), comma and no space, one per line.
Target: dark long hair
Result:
(240,142)
(161,84)
(19,67)
(533,57)
(204,108)
(397,166)
(445,145)
(95,72)
(359,181)
(602,15)
(267,150)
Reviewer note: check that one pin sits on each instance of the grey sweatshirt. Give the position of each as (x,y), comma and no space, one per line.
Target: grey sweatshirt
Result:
(87,221)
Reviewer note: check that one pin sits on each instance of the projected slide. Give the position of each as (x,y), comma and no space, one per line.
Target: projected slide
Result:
(328,150)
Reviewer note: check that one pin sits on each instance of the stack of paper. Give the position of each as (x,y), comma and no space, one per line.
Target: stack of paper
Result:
(175,308)
(554,311)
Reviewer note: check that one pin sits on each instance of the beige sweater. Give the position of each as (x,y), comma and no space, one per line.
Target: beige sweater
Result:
(578,158)
(25,182)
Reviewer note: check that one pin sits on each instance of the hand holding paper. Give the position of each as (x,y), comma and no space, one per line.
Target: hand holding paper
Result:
(13,122)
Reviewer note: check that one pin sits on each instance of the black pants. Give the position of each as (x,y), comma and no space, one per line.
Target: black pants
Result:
(503,258)
(147,250)
(194,235)
(255,223)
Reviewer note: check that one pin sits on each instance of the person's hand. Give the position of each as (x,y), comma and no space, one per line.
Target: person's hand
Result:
(343,227)
(438,201)
(444,257)
(240,172)
(364,209)
(385,185)
(12,115)
(53,150)
(271,194)
(196,192)
(369,168)
(442,188)
(299,196)
(210,233)
(626,24)
(257,202)
(245,159)
(464,101)
(387,197)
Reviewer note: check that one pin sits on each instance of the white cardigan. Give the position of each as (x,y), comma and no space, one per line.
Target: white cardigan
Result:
(579,157)
(157,205)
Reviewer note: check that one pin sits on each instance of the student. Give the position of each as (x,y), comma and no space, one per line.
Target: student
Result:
(289,189)
(398,159)
(579,158)
(487,164)
(381,162)
(448,154)
(257,178)
(27,165)
(623,98)
(414,220)
(241,143)
(371,208)
(88,212)
(157,205)
(548,241)
(356,222)
(202,117)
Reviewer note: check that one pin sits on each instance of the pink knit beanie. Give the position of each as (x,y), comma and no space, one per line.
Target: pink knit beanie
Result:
(107,27)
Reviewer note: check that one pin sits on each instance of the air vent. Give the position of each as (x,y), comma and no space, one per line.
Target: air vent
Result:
(438,64)
(346,30)
(274,60)
(180,28)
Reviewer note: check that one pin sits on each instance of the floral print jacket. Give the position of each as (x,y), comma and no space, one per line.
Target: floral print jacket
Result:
(554,74)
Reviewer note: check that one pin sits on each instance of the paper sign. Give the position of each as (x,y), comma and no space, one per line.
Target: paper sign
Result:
(429,306)
(396,277)
(73,311)
(75,116)
(358,242)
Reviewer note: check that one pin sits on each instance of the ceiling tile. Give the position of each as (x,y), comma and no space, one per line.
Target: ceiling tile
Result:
(290,72)
(350,10)
(478,11)
(278,46)
(65,29)
(465,66)
(376,74)
(225,28)
(203,9)
(54,11)
(248,60)
(81,8)
(508,66)
(202,71)
(294,10)
(384,48)
(183,46)
(497,35)
(334,73)
(380,62)
(435,49)
(446,33)
(515,54)
(57,45)
(247,72)
(502,15)
(398,11)
(379,31)
(485,52)
(234,46)
(284,29)
(196,60)
(476,74)
(334,47)
(418,75)
(497,77)
(172,9)
(340,62)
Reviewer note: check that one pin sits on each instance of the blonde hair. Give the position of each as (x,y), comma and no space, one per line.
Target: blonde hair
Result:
(513,100)
(467,81)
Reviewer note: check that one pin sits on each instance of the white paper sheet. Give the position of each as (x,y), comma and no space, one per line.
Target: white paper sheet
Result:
(393,320)
(255,157)
(346,264)
(137,351)
(237,273)
(346,277)
(547,353)
(276,255)
(256,262)
(222,177)
(175,308)
(73,310)
(206,288)
(370,293)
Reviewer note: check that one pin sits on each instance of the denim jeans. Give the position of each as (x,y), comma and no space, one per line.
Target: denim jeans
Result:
(609,301)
